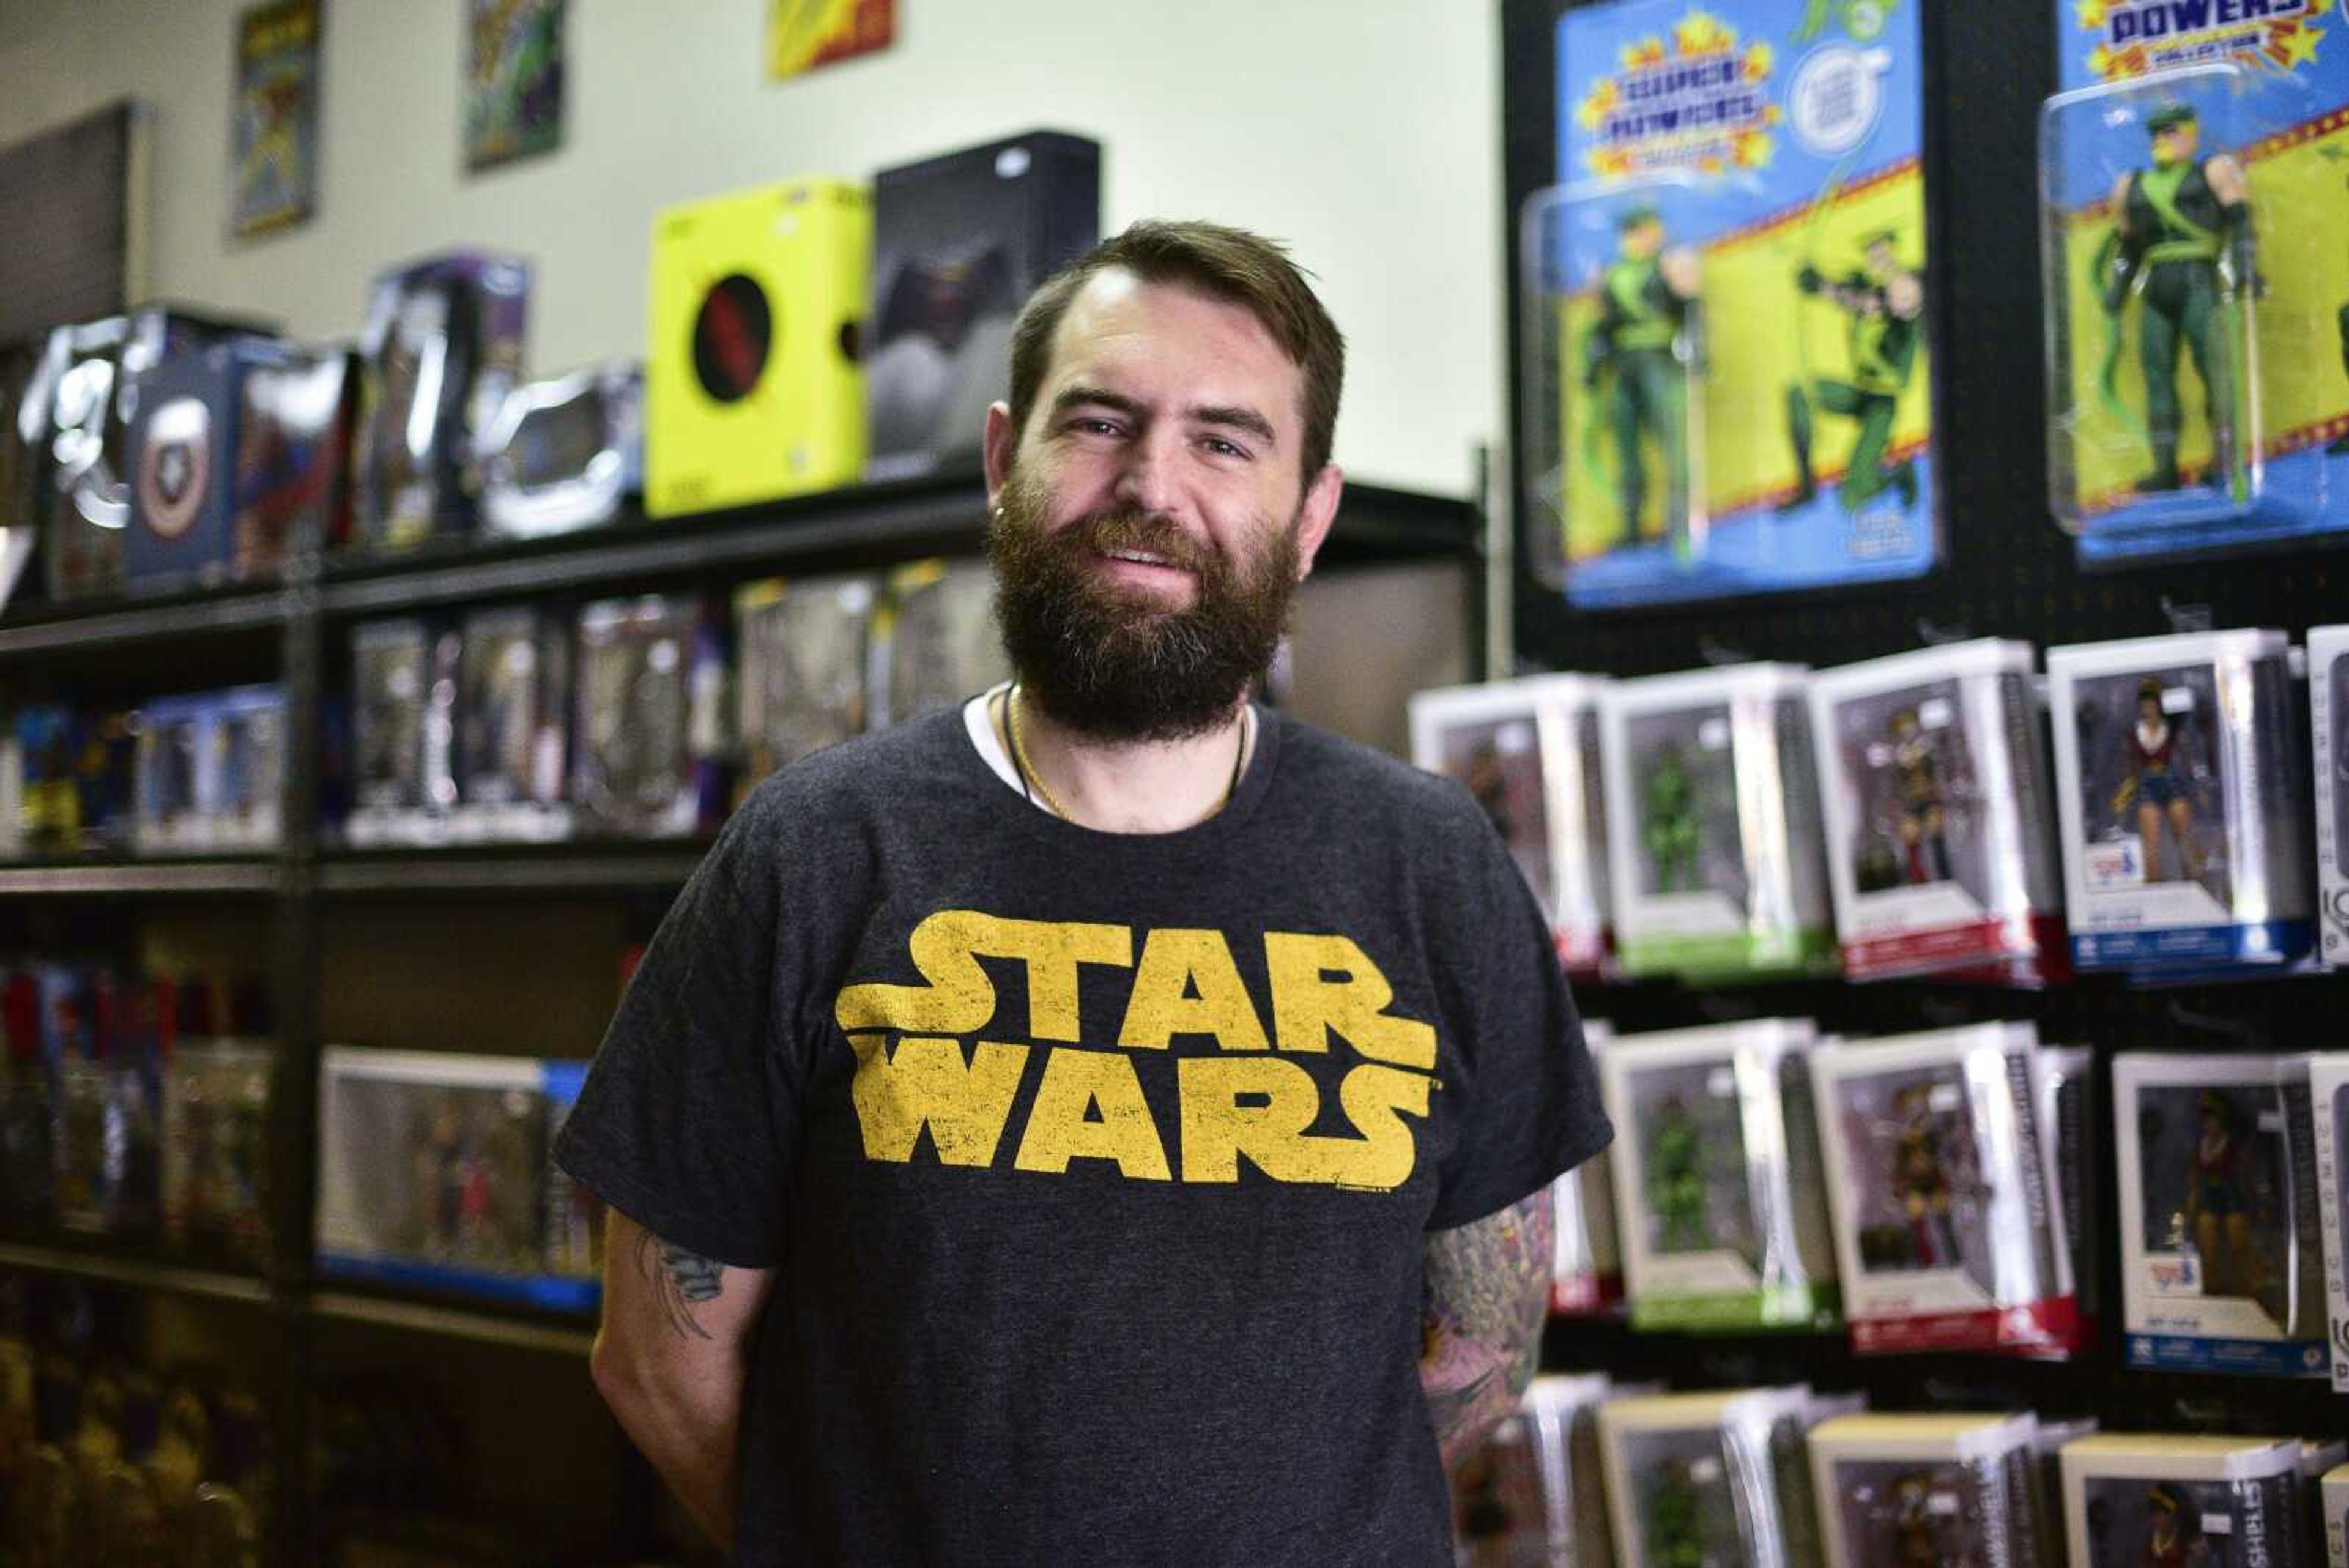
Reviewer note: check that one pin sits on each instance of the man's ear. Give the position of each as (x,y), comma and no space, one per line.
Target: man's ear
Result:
(1002,439)
(1314,518)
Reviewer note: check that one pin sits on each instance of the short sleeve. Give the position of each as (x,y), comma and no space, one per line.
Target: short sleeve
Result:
(1532,1110)
(684,1121)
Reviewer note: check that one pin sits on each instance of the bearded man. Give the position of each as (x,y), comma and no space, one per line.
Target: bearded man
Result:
(1113,1122)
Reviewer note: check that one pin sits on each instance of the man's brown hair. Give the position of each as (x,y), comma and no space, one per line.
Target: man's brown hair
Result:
(1224,264)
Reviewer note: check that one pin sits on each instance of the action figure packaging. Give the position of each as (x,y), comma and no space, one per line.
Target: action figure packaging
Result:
(935,643)
(1921,1492)
(2132,1499)
(564,454)
(2318,1458)
(801,679)
(292,456)
(216,1149)
(433,1173)
(1727,304)
(173,749)
(752,389)
(1531,1492)
(1942,1191)
(1587,1254)
(106,1039)
(247,769)
(2221,1257)
(2328,1086)
(2187,174)
(184,418)
(2073,1121)
(2335,1495)
(1713,1477)
(1712,824)
(392,667)
(959,242)
(2328,698)
(441,348)
(1528,750)
(28,1102)
(1940,829)
(648,726)
(2181,788)
(2048,1439)
(514,709)
(1720,1200)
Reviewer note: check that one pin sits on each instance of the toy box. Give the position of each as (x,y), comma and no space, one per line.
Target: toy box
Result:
(935,640)
(182,444)
(513,708)
(1528,750)
(1585,1251)
(2220,1266)
(2328,1086)
(1532,1491)
(1940,829)
(1714,1478)
(802,681)
(1919,1492)
(2182,792)
(2133,1499)
(211,771)
(2328,700)
(215,1153)
(564,454)
(1720,1200)
(293,457)
(2334,1494)
(648,743)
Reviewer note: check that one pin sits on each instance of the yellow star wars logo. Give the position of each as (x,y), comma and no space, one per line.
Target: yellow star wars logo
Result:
(2135,36)
(1699,101)
(927,1058)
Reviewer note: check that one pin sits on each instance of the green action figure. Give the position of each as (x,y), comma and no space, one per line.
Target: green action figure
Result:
(1645,343)
(1676,1178)
(2181,242)
(1885,302)
(1675,1536)
(1671,826)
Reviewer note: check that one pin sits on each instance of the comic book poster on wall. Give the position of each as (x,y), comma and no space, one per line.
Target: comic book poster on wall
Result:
(513,80)
(1729,300)
(804,36)
(274,134)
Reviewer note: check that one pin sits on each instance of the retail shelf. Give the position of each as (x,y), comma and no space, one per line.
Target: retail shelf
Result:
(119,622)
(861,526)
(532,868)
(460,1323)
(70,879)
(137,1272)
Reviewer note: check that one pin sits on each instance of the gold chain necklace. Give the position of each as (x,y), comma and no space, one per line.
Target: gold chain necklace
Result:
(1028,775)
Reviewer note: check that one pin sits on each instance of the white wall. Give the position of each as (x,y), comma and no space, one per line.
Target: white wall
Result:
(1363,132)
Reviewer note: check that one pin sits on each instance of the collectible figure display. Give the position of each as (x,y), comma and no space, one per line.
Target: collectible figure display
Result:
(800,678)
(2328,696)
(934,640)
(434,1171)
(1720,1206)
(293,451)
(2328,1086)
(1531,1495)
(513,708)
(216,1149)
(1528,750)
(752,389)
(1927,1492)
(2181,785)
(648,733)
(1587,1255)
(2130,1501)
(1701,1481)
(2192,350)
(211,771)
(2220,1266)
(391,676)
(1948,1236)
(182,445)
(1727,304)
(1712,824)
(564,454)
(1941,834)
(442,347)
(959,242)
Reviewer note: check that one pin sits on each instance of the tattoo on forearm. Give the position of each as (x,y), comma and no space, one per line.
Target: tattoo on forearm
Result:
(682,1279)
(1486,1294)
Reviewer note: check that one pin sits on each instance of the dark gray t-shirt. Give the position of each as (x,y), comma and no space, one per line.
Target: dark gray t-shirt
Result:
(1095,1168)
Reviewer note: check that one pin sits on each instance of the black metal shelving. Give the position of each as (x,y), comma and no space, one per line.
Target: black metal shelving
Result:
(290,623)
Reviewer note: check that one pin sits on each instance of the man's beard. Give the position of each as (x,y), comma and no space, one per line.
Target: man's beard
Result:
(1110,661)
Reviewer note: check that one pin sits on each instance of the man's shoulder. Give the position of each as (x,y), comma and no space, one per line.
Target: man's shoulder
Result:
(877,769)
(1367,785)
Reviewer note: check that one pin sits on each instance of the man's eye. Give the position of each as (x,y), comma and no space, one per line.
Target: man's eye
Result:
(1222,448)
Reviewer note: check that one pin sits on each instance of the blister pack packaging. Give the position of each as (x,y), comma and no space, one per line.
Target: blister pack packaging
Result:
(1528,750)
(801,682)
(513,718)
(2076,1127)
(935,643)
(1720,1200)
(1586,1253)
(1532,1491)
(1948,1236)
(648,744)
(2182,793)
(2219,1247)
(1714,827)
(1920,1492)
(2131,1499)
(2195,328)
(2328,700)
(1714,1478)
(2328,1091)
(1941,831)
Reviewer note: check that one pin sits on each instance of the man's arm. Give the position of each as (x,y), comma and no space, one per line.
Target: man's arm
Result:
(669,1359)
(1483,1302)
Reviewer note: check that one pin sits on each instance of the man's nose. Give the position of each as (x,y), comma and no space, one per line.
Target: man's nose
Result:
(1147,482)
